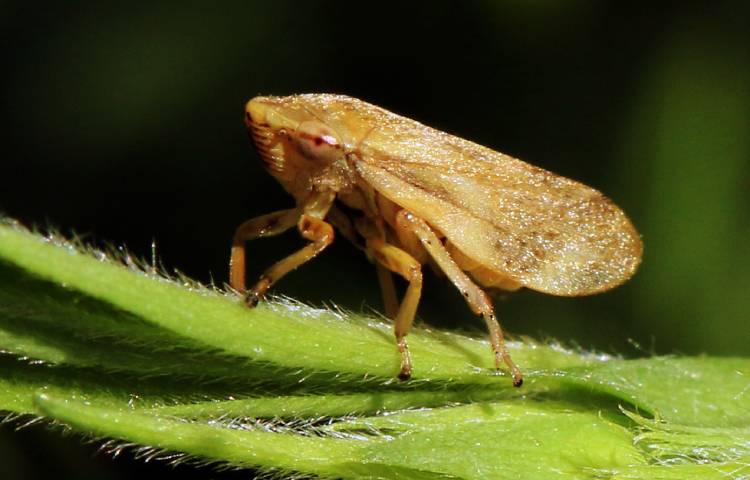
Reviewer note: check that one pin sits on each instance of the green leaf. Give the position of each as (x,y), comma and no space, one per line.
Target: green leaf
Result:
(115,349)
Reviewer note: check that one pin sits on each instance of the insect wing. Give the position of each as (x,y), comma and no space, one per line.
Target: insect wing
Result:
(547,232)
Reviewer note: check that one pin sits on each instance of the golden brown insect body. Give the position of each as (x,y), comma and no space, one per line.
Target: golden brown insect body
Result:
(408,194)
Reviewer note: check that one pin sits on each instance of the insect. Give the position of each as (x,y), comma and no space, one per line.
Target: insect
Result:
(410,195)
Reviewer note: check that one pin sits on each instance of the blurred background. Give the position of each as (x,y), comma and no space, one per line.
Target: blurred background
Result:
(123,123)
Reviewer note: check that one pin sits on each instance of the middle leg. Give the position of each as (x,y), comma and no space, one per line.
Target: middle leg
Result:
(400,262)
(390,299)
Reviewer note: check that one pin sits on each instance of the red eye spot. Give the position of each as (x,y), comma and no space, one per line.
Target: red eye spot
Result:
(317,141)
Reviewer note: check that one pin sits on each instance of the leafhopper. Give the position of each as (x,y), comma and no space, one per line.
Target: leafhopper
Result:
(409,195)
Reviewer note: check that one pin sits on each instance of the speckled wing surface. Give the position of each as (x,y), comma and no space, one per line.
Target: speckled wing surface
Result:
(549,233)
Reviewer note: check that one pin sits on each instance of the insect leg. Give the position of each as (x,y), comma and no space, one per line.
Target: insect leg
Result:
(320,235)
(477,299)
(263,226)
(341,222)
(390,300)
(338,219)
(398,261)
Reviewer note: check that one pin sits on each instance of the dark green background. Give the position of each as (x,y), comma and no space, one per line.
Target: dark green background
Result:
(124,124)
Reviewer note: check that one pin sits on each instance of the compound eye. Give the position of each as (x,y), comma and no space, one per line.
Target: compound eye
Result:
(317,141)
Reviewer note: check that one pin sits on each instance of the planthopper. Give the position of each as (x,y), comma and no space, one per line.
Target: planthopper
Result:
(409,195)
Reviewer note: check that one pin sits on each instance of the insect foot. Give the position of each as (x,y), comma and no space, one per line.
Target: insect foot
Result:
(253,296)
(504,356)
(252,299)
(403,349)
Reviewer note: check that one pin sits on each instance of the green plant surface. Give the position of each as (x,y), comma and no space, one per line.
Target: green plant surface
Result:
(117,350)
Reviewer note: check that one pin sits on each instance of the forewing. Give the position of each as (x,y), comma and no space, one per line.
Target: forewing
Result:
(547,232)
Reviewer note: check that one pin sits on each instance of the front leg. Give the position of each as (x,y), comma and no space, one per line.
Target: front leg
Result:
(308,216)
(263,226)
(320,235)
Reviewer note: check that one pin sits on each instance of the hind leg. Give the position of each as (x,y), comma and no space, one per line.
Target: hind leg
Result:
(477,299)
